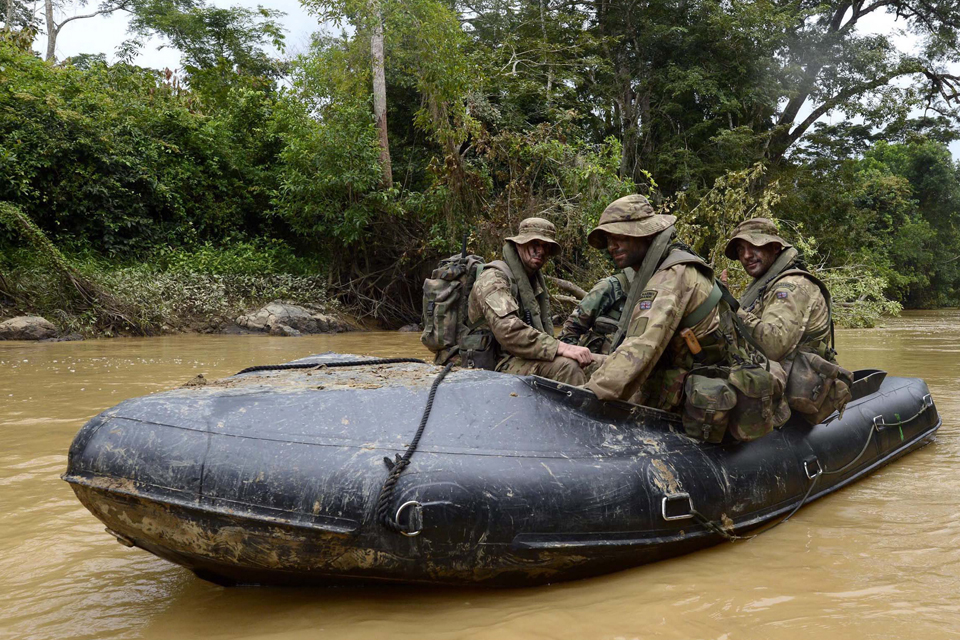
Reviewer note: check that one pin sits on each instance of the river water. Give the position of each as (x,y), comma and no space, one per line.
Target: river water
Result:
(880,559)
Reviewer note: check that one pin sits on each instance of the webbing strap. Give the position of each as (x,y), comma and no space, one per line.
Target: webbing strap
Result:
(696,316)
(742,329)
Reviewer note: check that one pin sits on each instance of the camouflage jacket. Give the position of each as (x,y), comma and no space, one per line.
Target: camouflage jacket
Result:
(594,322)
(492,298)
(670,295)
(791,313)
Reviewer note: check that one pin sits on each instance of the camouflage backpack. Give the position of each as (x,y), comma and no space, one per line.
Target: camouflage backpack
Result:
(446,328)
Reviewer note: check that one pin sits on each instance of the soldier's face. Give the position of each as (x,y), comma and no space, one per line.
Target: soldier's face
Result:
(627,251)
(756,260)
(533,254)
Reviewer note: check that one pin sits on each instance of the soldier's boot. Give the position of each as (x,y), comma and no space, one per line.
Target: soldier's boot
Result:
(561,369)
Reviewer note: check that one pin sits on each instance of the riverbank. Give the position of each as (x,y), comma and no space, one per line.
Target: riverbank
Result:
(144,300)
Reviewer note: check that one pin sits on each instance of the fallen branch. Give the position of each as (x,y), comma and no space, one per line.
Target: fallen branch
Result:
(569,287)
(569,299)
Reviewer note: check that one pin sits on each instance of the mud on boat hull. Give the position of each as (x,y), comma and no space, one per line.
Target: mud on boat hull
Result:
(268,479)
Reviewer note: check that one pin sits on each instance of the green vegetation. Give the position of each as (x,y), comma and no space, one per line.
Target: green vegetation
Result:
(249,177)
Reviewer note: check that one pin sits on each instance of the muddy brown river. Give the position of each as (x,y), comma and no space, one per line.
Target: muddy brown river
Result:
(879,559)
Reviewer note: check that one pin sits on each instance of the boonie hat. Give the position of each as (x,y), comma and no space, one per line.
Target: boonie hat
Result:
(758,232)
(537,229)
(628,216)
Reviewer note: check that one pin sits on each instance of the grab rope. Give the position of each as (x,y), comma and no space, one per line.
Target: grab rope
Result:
(398,465)
(322,365)
(875,427)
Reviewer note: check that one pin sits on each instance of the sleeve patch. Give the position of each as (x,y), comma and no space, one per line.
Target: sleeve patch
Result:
(502,303)
(649,295)
(645,304)
(786,285)
(782,295)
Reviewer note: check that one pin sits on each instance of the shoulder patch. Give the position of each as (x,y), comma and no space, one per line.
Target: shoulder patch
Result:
(502,303)
(782,295)
(786,285)
(648,294)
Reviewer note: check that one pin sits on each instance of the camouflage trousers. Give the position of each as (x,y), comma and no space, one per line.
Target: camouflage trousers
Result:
(560,369)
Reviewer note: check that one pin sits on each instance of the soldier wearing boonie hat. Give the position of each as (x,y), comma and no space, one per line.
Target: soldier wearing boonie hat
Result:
(786,307)
(673,290)
(510,301)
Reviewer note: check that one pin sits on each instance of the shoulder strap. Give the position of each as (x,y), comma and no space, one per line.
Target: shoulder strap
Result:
(696,316)
(621,278)
(658,248)
(824,291)
(741,328)
(679,256)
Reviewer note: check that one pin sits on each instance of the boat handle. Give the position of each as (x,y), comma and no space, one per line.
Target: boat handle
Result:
(806,467)
(409,534)
(677,496)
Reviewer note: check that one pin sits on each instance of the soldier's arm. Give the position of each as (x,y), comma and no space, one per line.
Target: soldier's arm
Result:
(653,322)
(588,310)
(784,317)
(501,312)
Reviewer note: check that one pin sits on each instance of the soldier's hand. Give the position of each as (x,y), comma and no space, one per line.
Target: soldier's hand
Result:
(582,355)
(723,276)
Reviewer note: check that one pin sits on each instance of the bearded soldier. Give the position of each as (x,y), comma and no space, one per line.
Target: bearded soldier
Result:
(510,300)
(672,290)
(594,322)
(787,310)
(785,306)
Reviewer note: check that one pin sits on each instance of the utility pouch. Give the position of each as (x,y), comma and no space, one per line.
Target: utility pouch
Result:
(478,350)
(441,302)
(760,403)
(706,411)
(817,387)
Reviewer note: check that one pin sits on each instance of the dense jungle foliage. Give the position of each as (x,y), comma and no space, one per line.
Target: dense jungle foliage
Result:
(248,176)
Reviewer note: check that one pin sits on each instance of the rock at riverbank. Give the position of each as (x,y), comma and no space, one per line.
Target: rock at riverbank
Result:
(278,318)
(27,328)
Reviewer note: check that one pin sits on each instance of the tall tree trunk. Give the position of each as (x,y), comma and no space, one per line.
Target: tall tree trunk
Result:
(379,93)
(51,31)
(8,22)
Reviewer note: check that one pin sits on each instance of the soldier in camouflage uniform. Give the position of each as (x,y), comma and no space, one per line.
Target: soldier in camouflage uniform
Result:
(785,306)
(510,300)
(649,365)
(594,322)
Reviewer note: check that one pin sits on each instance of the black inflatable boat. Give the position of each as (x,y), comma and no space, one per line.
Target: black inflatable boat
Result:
(274,476)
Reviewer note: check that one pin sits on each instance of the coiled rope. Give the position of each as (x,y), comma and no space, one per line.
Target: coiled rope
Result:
(402,462)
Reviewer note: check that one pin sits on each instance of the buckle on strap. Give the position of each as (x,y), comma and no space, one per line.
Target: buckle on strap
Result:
(673,499)
(813,460)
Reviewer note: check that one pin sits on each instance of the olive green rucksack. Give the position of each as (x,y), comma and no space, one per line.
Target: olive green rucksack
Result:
(446,328)
(445,296)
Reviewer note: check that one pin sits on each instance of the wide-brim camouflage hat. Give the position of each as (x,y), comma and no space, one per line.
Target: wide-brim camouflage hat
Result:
(758,232)
(537,229)
(628,216)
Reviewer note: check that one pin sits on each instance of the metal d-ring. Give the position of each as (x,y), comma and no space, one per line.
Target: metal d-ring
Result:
(396,518)
(677,496)
(806,468)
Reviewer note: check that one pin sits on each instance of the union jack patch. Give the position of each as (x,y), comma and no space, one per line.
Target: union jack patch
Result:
(782,295)
(646,304)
